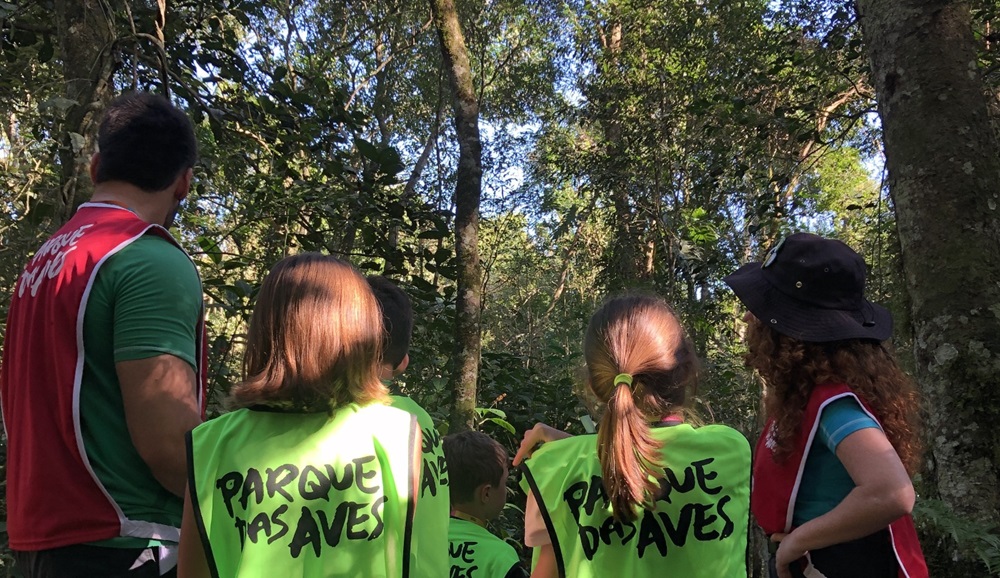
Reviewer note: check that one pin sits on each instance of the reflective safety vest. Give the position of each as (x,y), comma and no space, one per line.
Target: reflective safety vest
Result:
(476,553)
(776,484)
(697,527)
(306,494)
(430,531)
(55,497)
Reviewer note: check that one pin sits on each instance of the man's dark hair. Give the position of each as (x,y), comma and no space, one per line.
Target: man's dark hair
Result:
(473,459)
(397,319)
(146,141)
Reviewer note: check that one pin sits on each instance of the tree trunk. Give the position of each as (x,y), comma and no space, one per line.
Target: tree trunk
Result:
(86,39)
(944,166)
(626,265)
(467,193)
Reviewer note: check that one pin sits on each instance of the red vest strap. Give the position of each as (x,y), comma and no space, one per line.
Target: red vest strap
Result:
(776,484)
(53,496)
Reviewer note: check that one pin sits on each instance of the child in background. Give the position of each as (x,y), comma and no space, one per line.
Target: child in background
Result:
(429,540)
(649,496)
(478,467)
(313,475)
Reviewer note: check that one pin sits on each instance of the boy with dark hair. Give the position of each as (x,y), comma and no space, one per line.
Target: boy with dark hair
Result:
(397,318)
(478,494)
(430,559)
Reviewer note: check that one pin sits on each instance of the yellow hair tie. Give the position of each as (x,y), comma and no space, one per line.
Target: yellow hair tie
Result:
(623,378)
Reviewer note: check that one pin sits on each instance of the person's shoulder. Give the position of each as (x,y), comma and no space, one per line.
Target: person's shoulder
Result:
(381,415)
(717,440)
(406,404)
(842,417)
(844,405)
(459,529)
(572,445)
(722,431)
(152,256)
(221,422)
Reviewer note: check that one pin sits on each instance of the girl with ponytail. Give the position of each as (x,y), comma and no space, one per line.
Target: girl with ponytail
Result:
(649,495)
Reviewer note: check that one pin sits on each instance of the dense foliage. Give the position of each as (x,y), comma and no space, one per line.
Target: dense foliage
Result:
(627,145)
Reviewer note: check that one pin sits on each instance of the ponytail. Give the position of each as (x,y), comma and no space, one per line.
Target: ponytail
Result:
(640,336)
(628,455)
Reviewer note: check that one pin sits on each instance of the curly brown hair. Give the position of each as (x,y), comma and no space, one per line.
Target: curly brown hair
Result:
(791,369)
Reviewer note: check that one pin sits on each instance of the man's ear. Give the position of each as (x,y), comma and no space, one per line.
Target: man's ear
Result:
(95,162)
(402,366)
(183,185)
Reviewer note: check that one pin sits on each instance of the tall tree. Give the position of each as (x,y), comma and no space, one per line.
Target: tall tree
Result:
(944,164)
(86,34)
(468,189)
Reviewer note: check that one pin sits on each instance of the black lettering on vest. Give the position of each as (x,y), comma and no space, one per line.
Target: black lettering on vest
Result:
(574,497)
(361,474)
(333,529)
(260,523)
(314,489)
(306,534)
(702,520)
(280,477)
(613,526)
(229,485)
(671,483)
(354,520)
(241,527)
(590,540)
(705,476)
(594,495)
(431,440)
(377,514)
(428,481)
(459,572)
(253,484)
(678,532)
(345,482)
(442,470)
(464,551)
(727,529)
(277,521)
(650,532)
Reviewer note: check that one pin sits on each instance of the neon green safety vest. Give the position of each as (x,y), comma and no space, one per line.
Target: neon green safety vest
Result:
(306,494)
(698,527)
(476,553)
(430,532)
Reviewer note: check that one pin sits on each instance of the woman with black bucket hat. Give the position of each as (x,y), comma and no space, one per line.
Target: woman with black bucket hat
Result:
(832,467)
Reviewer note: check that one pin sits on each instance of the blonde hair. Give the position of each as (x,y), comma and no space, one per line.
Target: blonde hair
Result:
(638,335)
(315,338)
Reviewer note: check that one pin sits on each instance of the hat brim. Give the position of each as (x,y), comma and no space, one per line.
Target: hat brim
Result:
(804,321)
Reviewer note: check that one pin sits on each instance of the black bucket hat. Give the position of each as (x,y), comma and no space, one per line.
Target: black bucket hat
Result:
(811,289)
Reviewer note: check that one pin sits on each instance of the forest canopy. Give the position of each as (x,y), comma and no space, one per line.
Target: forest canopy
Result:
(624,145)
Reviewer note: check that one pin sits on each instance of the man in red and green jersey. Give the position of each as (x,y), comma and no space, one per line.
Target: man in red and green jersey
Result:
(102,362)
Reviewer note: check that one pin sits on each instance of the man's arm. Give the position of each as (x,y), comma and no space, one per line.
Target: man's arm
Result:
(161,406)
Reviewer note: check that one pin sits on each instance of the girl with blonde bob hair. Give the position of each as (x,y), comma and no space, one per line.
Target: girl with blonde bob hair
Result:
(311,474)
(313,335)
(648,495)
